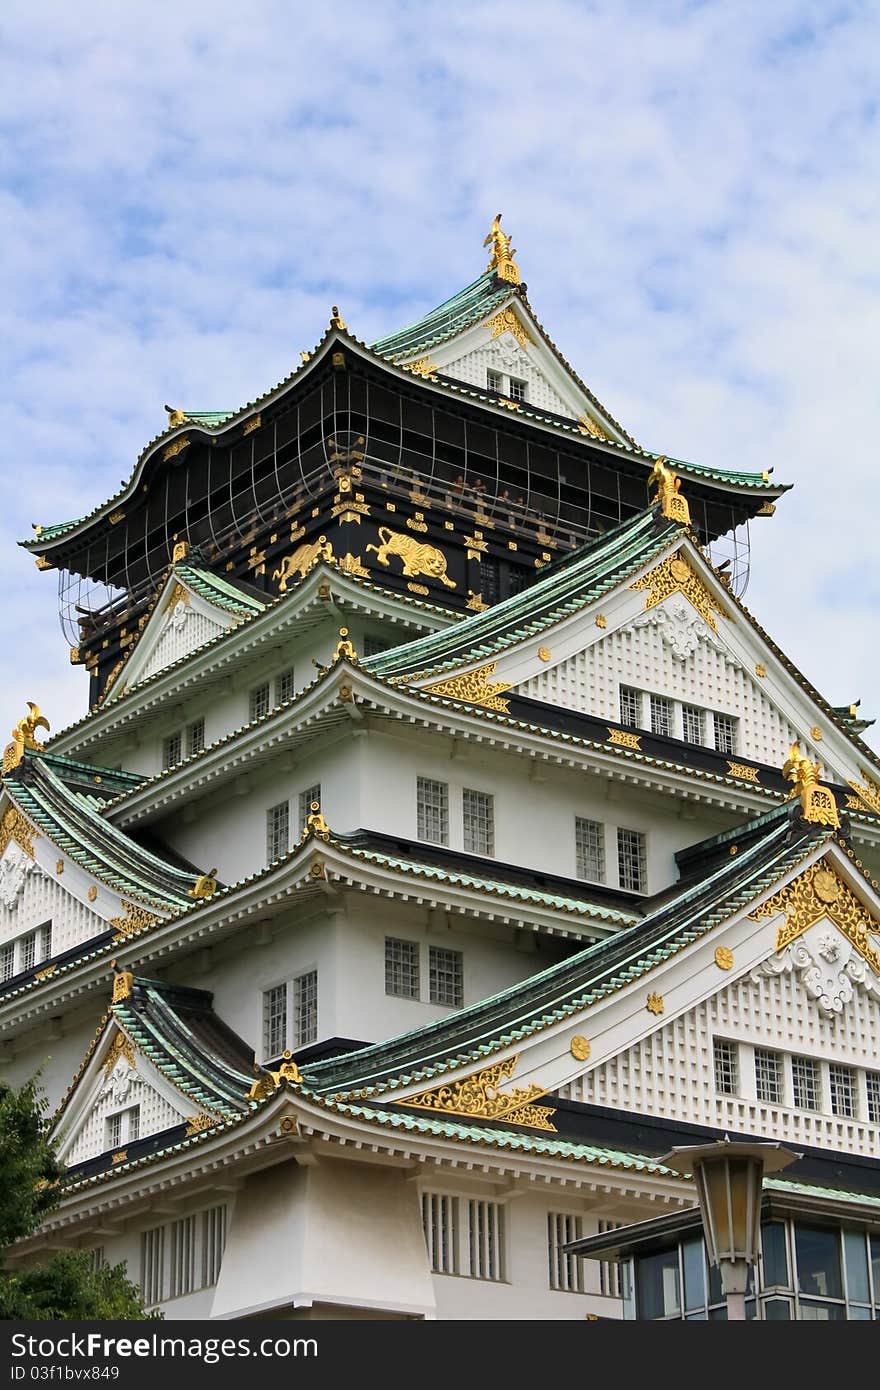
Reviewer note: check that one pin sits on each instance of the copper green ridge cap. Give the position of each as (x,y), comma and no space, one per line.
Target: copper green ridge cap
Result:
(451,317)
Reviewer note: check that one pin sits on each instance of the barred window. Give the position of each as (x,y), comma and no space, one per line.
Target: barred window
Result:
(432,802)
(661,715)
(872,1080)
(478,821)
(195,737)
(517,390)
(567,1271)
(305,804)
(274,1021)
(805,1083)
(440,1224)
(374,645)
(589,847)
(28,957)
(693,724)
(632,860)
(842,1085)
(726,1067)
(183,1257)
(284,687)
(44,945)
(123,1127)
(445,976)
(7,961)
(725,733)
(517,579)
(172,749)
(494,380)
(630,706)
(305,1008)
(486,1253)
(213,1244)
(153,1265)
(609,1270)
(134,1123)
(277,831)
(489,589)
(768,1076)
(114,1131)
(259,701)
(401,968)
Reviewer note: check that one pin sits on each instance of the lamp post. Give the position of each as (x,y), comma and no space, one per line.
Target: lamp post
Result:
(729,1178)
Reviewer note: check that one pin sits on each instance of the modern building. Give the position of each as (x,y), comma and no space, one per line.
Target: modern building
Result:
(443,843)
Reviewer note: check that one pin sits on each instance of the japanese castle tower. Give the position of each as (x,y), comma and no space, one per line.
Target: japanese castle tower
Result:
(444,843)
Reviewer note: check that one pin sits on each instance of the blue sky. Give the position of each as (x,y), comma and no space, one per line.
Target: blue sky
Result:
(693,190)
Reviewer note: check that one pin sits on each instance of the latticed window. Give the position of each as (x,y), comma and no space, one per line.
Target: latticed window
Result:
(589,846)
(494,380)
(842,1088)
(28,957)
(274,1020)
(153,1265)
(693,724)
(805,1083)
(305,804)
(305,1008)
(872,1081)
(440,1224)
(401,968)
(489,574)
(632,860)
(432,804)
(726,1068)
(567,1271)
(661,715)
(195,737)
(768,1076)
(182,1264)
(114,1131)
(277,831)
(172,749)
(133,1115)
(609,1270)
(486,1253)
(725,733)
(7,961)
(44,941)
(445,976)
(630,706)
(123,1127)
(517,390)
(260,701)
(478,821)
(213,1244)
(284,687)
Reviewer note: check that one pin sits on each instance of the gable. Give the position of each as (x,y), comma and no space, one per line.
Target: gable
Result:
(31,897)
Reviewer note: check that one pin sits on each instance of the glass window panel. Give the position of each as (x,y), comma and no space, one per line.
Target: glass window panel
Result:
(661,715)
(775,1264)
(305,1009)
(284,687)
(716,1293)
(817,1249)
(855,1251)
(401,968)
(172,749)
(872,1082)
(657,1285)
(632,860)
(445,976)
(726,1069)
(768,1075)
(777,1310)
(195,737)
(478,821)
(589,842)
(694,1261)
(842,1090)
(857,1314)
(517,389)
(805,1083)
(725,733)
(432,805)
(489,580)
(821,1312)
(277,831)
(259,701)
(630,706)
(692,724)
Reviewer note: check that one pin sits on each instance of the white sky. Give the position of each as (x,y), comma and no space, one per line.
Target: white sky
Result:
(692,189)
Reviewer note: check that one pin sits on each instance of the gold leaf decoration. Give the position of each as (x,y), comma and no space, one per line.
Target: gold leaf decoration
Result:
(508,322)
(480,1095)
(14,827)
(746,774)
(475,687)
(655,1004)
(675,575)
(622,739)
(723,957)
(868,793)
(135,918)
(121,1046)
(818,893)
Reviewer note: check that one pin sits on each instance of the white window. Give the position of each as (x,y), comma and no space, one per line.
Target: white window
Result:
(213,1244)
(661,715)
(842,1086)
(872,1081)
(768,1076)
(260,701)
(44,941)
(609,1270)
(486,1252)
(195,737)
(432,802)
(517,391)
(305,803)
(440,1223)
(123,1127)
(182,1265)
(305,1008)
(632,860)
(630,706)
(114,1131)
(693,724)
(277,831)
(28,951)
(725,733)
(153,1265)
(464,1236)
(172,749)
(478,822)
(401,968)
(494,380)
(567,1271)
(7,961)
(284,687)
(274,1021)
(589,846)
(726,1069)
(805,1083)
(445,976)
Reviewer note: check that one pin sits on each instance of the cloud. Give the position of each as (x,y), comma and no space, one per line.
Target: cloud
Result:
(693,189)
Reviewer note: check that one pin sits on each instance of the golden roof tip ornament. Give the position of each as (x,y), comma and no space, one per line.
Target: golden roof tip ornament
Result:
(345,648)
(668,494)
(123,983)
(205,885)
(175,416)
(817,803)
(337,321)
(502,261)
(315,823)
(23,737)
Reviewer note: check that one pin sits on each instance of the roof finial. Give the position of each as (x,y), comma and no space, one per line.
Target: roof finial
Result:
(502,261)
(175,416)
(817,803)
(672,504)
(123,983)
(23,737)
(205,885)
(337,321)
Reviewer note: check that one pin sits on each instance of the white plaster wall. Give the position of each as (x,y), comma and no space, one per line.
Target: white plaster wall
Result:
(183,630)
(42,899)
(54,1049)
(503,354)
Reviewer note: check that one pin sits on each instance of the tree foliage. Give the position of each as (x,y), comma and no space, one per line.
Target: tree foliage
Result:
(65,1285)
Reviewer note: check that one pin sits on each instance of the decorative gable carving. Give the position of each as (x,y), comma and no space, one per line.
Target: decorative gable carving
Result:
(828,968)
(185,628)
(683,629)
(15,866)
(30,897)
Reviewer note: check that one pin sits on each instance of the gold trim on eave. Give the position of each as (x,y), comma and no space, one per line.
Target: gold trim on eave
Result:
(676,574)
(479,1095)
(819,892)
(475,687)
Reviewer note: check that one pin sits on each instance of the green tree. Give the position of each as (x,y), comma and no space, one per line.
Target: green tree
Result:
(66,1285)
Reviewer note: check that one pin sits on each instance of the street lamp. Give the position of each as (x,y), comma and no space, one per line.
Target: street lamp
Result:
(728,1178)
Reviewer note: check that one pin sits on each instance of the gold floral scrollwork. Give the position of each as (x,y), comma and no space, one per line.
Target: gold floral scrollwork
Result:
(480,1095)
(121,1046)
(508,322)
(135,918)
(123,984)
(741,770)
(621,738)
(119,1157)
(655,1003)
(868,792)
(819,892)
(252,424)
(180,552)
(674,575)
(178,594)
(475,602)
(422,367)
(196,1123)
(417,556)
(14,827)
(475,687)
(176,447)
(587,425)
(47,973)
(270,1081)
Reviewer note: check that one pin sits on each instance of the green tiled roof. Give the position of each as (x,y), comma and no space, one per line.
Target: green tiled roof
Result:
(453,316)
(579,579)
(218,590)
